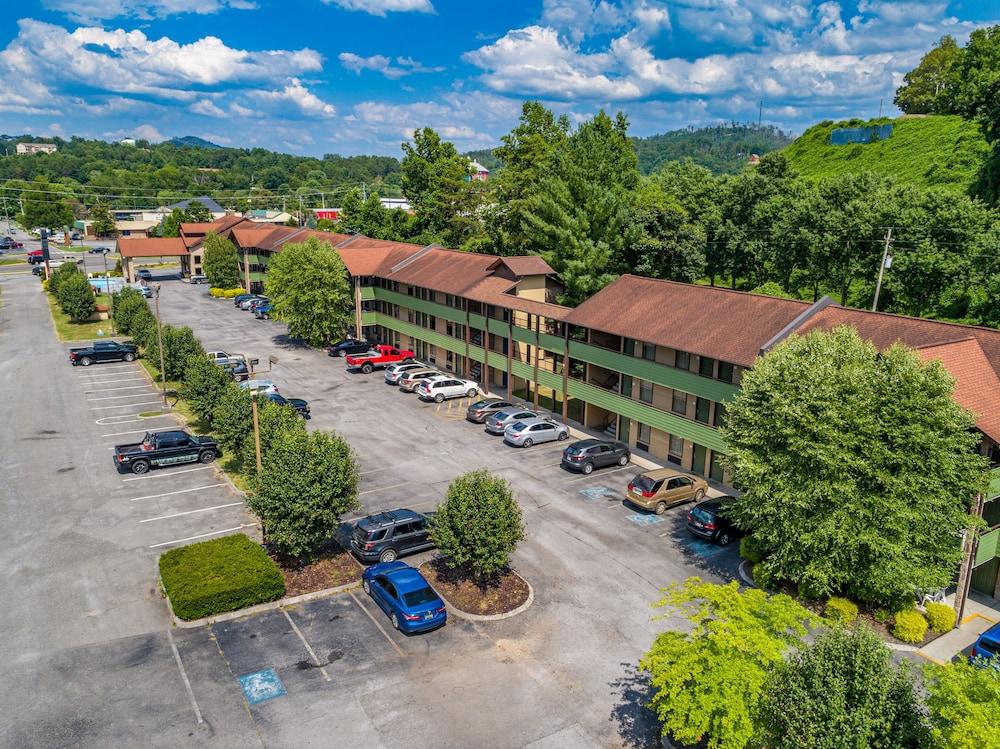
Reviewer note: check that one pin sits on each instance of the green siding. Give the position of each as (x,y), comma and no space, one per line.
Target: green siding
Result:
(369,318)
(420,305)
(524,335)
(367,293)
(477,321)
(987,548)
(994,491)
(430,336)
(697,433)
(257,276)
(653,372)
(497,327)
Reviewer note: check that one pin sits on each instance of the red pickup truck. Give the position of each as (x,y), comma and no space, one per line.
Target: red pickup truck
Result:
(378,358)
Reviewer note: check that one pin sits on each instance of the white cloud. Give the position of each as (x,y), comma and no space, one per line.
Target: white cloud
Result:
(207,107)
(295,95)
(240,111)
(381,7)
(98,10)
(145,132)
(382,64)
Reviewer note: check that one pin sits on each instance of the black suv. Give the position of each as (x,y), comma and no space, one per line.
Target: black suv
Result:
(708,520)
(586,455)
(388,535)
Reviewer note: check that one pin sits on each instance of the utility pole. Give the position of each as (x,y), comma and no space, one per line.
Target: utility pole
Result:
(760,113)
(107,288)
(880,103)
(970,544)
(886,263)
(256,431)
(159,340)
(364,191)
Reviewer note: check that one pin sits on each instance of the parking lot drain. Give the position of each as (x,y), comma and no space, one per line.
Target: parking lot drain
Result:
(596,493)
(640,519)
(261,686)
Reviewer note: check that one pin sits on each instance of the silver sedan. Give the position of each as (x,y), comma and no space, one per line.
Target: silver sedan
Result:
(534,431)
(496,423)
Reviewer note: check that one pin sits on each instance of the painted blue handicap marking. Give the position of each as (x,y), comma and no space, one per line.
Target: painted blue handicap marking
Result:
(594,493)
(643,519)
(261,686)
(704,549)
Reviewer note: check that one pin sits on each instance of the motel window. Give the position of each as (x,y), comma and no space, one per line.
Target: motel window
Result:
(725,371)
(706,366)
(679,403)
(720,415)
(645,391)
(675,451)
(629,347)
(649,352)
(642,438)
(702,410)
(682,360)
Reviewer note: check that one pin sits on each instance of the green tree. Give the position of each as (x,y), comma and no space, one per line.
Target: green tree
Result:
(273,421)
(61,274)
(171,226)
(179,345)
(103,222)
(964,705)
(834,443)
(221,263)
(127,303)
(233,418)
(205,382)
(197,212)
(667,243)
(842,691)
(45,206)
(708,681)
(76,297)
(309,289)
(979,94)
(931,87)
(309,480)
(142,328)
(478,525)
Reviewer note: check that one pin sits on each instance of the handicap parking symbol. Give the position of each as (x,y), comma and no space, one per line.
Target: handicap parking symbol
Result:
(643,519)
(594,493)
(704,549)
(261,686)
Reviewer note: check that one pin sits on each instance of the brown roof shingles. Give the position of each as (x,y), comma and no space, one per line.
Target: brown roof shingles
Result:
(151,247)
(977,385)
(526,265)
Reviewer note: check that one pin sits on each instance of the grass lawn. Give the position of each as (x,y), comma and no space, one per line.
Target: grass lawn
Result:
(67,330)
(11,261)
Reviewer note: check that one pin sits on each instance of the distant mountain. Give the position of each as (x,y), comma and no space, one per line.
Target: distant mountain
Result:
(193,141)
(930,151)
(723,149)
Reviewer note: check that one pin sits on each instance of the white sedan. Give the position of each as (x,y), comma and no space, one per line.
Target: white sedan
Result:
(438,388)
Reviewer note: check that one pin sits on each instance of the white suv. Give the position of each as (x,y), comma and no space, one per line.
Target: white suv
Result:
(438,388)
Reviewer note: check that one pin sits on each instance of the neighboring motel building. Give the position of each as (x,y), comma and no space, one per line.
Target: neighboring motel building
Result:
(652,363)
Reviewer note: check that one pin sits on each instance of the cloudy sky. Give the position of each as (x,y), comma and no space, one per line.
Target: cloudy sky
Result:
(357,76)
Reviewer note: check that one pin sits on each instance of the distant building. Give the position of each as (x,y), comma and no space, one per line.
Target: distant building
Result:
(327,214)
(214,208)
(266,216)
(30,148)
(754,159)
(126,142)
(479,172)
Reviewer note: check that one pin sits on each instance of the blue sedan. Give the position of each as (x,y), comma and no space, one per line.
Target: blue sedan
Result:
(401,591)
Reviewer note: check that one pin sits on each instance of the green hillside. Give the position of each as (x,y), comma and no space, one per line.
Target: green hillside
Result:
(933,151)
(722,149)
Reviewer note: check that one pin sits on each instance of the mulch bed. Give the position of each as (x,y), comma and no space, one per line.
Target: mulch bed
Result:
(332,567)
(499,595)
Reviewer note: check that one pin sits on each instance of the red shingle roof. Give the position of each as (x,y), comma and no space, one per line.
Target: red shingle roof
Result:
(526,265)
(153,247)
(977,385)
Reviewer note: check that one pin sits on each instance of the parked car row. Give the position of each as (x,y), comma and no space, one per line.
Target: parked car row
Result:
(258,304)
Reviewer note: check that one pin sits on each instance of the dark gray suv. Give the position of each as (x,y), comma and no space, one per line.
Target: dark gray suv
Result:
(389,535)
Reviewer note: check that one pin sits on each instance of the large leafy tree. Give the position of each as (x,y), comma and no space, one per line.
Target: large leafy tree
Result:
(198,212)
(709,679)
(841,691)
(76,297)
(963,703)
(103,222)
(308,286)
(221,263)
(127,304)
(478,525)
(44,206)
(932,86)
(979,94)
(273,421)
(61,274)
(171,226)
(666,243)
(205,382)
(179,345)
(232,419)
(309,479)
(858,466)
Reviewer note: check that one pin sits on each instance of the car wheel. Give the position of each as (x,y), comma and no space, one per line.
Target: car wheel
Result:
(367,586)
(439,398)
(588,468)
(723,539)
(140,467)
(563,436)
(389,555)
(367,369)
(661,507)
(85,361)
(528,442)
(129,357)
(472,392)
(395,621)
(338,354)
(623,460)
(699,495)
(206,456)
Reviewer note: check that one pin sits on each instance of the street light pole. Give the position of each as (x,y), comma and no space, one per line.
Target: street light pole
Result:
(159,340)
(107,288)
(256,431)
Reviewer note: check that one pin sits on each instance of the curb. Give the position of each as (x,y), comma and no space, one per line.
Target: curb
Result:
(259,608)
(454,610)
(745,575)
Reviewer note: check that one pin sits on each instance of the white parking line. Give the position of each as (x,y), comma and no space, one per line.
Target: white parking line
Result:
(125,405)
(179,491)
(201,535)
(111,390)
(375,470)
(112,382)
(375,622)
(190,512)
(111,367)
(119,434)
(167,475)
(119,397)
(595,475)
(312,653)
(184,676)
(383,488)
(106,420)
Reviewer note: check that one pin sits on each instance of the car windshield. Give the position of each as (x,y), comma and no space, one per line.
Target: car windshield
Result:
(989,646)
(517,426)
(644,484)
(374,535)
(419,597)
(501,415)
(700,513)
(574,450)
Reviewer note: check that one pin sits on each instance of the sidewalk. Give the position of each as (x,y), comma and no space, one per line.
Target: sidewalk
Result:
(981,613)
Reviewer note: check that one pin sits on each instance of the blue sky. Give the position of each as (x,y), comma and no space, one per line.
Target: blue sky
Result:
(357,76)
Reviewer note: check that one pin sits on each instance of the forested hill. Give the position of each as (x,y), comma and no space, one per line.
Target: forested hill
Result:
(168,167)
(723,149)
(944,151)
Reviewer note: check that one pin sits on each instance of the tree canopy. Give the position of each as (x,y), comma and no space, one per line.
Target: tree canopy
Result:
(221,263)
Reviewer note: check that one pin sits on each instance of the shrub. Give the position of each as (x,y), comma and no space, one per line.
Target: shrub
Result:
(221,263)
(840,611)
(142,328)
(273,421)
(762,577)
(60,274)
(882,616)
(215,292)
(223,574)
(479,524)
(204,385)
(233,419)
(751,549)
(940,616)
(230,293)
(910,626)
(128,302)
(76,297)
(178,345)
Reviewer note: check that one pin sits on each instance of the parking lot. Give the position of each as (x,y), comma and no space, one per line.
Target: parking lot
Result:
(561,674)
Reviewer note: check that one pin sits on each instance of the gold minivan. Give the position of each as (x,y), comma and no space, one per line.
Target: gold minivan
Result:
(663,488)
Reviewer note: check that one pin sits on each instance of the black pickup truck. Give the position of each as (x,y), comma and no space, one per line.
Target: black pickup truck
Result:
(165,449)
(103,351)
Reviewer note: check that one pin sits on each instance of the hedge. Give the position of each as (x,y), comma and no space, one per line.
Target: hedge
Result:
(220,575)
(910,626)
(940,616)
(840,611)
(751,550)
(225,293)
